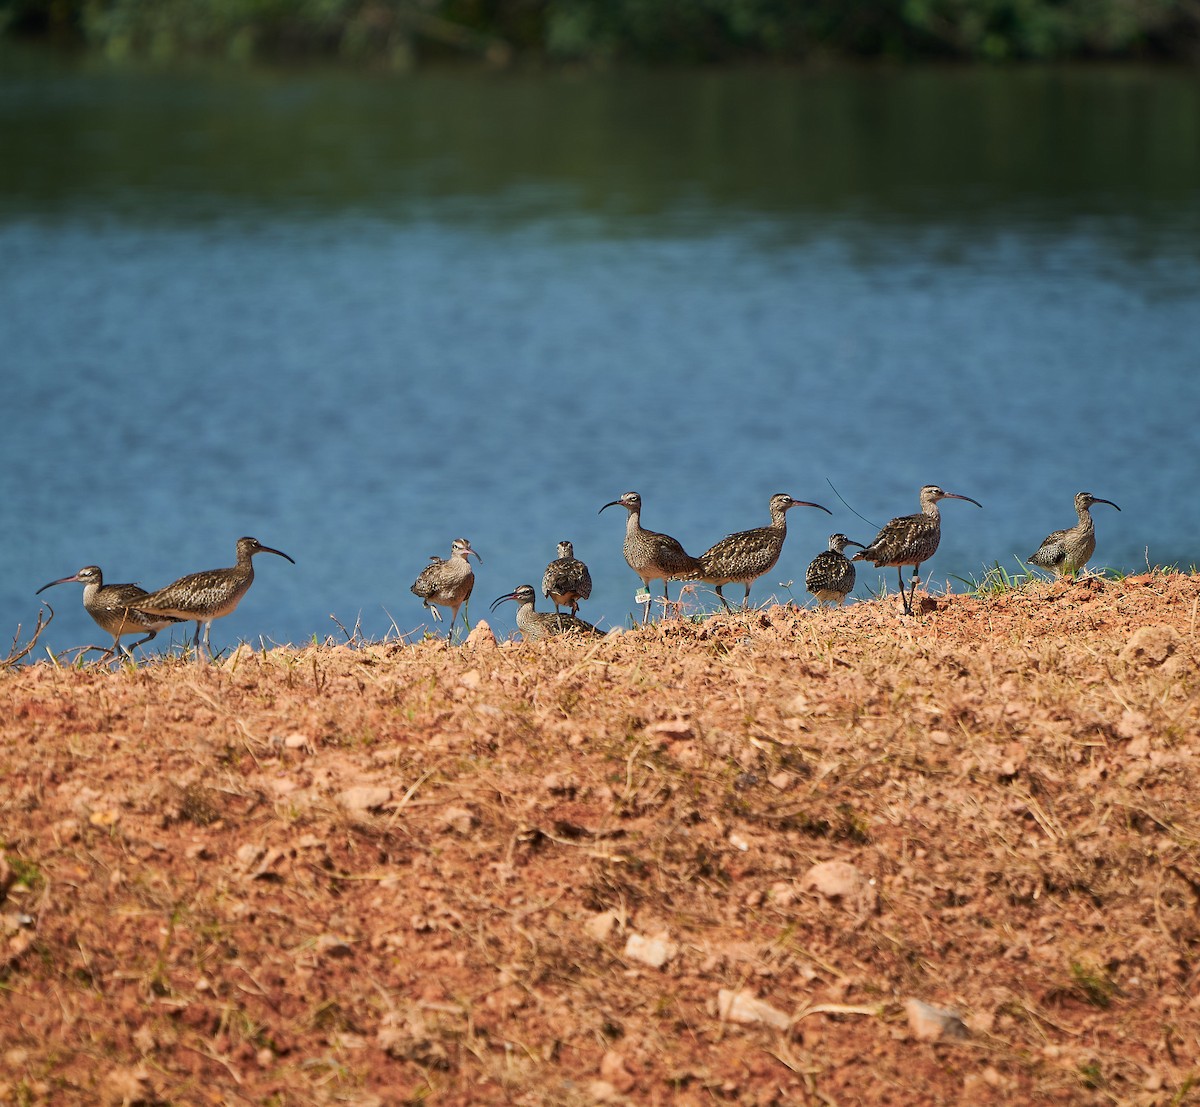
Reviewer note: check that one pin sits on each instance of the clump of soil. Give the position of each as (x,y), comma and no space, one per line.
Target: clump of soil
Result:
(785,857)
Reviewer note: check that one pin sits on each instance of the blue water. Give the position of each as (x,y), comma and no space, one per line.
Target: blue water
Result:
(358,378)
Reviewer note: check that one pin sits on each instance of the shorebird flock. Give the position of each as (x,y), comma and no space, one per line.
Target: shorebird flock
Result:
(739,558)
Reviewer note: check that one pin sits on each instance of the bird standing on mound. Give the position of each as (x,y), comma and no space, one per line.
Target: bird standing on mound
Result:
(447,582)
(210,594)
(535,625)
(112,607)
(830,575)
(911,540)
(1068,551)
(743,557)
(651,555)
(566,581)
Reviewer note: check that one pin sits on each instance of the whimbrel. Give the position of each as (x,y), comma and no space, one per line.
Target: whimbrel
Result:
(535,625)
(830,575)
(210,594)
(447,582)
(651,555)
(1068,551)
(566,581)
(112,606)
(743,557)
(911,540)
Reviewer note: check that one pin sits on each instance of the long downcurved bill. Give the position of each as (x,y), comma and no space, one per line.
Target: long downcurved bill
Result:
(68,580)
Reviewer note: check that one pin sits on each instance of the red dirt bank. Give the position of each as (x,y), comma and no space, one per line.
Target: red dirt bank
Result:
(404,873)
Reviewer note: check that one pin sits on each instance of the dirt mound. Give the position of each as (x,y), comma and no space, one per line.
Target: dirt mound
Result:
(777,858)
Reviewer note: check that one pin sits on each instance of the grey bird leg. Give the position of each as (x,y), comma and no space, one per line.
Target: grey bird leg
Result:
(200,658)
(646,606)
(746,599)
(916,579)
(721,597)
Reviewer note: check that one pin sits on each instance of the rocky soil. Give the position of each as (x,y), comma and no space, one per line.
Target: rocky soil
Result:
(788,857)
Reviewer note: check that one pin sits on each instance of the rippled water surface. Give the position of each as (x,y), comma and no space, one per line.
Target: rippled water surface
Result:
(357,316)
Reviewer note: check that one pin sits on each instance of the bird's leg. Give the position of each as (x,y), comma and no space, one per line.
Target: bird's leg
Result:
(724,601)
(129,649)
(746,599)
(916,579)
(207,644)
(907,609)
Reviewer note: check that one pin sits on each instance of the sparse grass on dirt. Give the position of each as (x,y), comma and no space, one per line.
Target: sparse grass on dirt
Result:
(414,873)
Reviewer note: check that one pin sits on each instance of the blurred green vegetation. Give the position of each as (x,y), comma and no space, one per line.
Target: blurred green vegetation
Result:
(400,33)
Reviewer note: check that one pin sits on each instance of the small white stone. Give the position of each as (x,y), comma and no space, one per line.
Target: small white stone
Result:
(457,819)
(840,882)
(930,1024)
(365,797)
(330,946)
(249,854)
(601,926)
(671,729)
(654,951)
(748,1008)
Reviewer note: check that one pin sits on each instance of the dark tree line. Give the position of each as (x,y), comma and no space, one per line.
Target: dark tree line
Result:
(602,32)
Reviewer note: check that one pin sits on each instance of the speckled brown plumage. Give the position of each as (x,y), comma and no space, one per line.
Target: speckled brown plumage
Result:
(210,594)
(535,625)
(112,607)
(651,555)
(911,540)
(743,557)
(447,582)
(1065,552)
(566,580)
(830,575)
